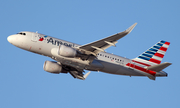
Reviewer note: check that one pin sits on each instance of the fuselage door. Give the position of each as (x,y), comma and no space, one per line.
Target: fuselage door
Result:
(34,37)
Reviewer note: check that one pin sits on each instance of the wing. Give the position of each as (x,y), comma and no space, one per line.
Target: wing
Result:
(79,74)
(100,45)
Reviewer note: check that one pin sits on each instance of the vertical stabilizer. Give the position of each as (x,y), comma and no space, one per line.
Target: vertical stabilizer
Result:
(153,55)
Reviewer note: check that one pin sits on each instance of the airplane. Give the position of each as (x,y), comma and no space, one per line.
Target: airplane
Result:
(75,59)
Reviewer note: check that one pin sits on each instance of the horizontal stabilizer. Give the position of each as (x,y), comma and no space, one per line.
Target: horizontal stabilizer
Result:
(158,67)
(151,77)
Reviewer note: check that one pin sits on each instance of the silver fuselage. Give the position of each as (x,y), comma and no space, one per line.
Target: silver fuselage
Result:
(105,62)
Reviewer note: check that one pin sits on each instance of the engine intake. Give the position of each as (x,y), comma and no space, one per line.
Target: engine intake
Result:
(52,67)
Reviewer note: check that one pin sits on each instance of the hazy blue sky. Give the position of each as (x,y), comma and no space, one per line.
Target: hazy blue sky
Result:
(24,83)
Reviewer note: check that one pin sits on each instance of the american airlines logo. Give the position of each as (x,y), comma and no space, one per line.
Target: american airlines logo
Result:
(42,38)
(58,42)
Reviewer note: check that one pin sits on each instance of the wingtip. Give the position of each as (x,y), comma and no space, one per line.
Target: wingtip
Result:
(131,28)
(168,63)
(86,75)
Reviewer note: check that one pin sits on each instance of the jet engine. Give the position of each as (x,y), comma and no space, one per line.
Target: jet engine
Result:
(53,67)
(67,51)
(70,52)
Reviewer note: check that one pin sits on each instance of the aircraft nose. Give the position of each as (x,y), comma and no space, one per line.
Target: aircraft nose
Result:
(10,39)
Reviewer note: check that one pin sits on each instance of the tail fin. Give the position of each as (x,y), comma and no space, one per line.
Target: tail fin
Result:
(153,55)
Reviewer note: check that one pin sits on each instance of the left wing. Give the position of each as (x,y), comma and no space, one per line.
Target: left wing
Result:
(79,74)
(100,45)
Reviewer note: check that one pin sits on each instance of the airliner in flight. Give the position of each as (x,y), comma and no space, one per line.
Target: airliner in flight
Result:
(75,59)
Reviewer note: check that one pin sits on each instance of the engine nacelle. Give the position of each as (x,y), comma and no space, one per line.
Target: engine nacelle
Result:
(52,67)
(67,51)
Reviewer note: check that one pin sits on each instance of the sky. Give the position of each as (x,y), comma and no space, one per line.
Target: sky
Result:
(24,83)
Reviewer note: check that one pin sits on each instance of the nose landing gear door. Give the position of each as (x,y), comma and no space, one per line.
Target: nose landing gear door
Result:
(34,37)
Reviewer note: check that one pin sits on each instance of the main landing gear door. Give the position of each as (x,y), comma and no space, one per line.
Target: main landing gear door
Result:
(34,37)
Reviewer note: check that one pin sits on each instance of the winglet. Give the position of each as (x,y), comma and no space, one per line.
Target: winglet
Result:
(86,75)
(131,28)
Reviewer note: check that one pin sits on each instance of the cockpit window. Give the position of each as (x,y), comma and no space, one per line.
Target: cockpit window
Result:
(21,33)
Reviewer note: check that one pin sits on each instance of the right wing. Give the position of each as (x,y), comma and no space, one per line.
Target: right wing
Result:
(100,45)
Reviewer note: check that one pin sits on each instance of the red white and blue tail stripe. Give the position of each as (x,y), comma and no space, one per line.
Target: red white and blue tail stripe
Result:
(153,55)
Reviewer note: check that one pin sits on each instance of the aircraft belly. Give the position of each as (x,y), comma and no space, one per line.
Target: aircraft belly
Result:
(73,63)
(129,72)
(119,69)
(94,66)
(110,67)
